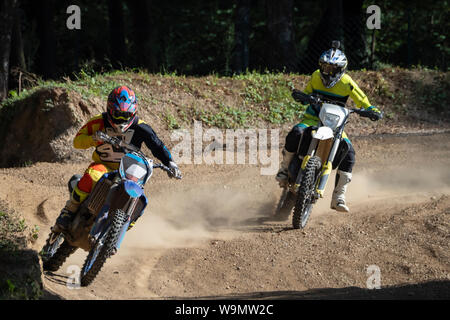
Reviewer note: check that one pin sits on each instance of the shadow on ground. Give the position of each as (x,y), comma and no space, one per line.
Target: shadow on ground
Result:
(434,290)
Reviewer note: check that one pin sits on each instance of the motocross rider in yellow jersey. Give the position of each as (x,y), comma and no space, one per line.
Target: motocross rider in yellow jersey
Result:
(331,81)
(120,120)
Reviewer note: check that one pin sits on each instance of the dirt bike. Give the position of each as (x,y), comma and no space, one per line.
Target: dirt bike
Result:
(103,218)
(318,153)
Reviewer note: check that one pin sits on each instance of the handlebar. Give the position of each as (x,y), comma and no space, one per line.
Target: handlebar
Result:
(122,144)
(366,114)
(304,98)
(164,168)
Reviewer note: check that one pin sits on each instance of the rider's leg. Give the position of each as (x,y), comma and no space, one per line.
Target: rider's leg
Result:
(81,191)
(343,178)
(289,150)
(282,175)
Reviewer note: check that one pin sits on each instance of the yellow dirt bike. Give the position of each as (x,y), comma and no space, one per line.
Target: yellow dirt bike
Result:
(308,173)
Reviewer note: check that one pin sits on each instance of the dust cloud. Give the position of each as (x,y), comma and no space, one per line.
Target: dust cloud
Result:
(184,219)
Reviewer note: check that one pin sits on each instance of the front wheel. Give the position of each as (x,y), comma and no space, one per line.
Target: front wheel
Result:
(303,206)
(104,247)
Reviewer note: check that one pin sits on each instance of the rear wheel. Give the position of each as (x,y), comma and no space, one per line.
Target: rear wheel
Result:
(103,249)
(303,206)
(55,251)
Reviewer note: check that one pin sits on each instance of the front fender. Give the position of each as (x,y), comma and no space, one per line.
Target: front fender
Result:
(323,133)
(133,189)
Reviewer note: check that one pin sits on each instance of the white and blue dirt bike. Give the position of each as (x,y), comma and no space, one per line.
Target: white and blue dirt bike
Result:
(102,220)
(318,153)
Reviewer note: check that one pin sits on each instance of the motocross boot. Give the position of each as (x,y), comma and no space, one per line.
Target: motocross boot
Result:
(66,216)
(282,175)
(338,201)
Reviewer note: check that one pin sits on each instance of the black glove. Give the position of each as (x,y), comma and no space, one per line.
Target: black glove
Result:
(375,113)
(300,96)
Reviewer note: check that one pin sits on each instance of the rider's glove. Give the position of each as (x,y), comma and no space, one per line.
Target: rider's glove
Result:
(97,137)
(377,114)
(174,171)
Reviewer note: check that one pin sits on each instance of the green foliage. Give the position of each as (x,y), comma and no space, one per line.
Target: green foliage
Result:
(250,99)
(21,289)
(34,234)
(20,271)
(435,95)
(12,229)
(225,117)
(413,32)
(273,92)
(172,122)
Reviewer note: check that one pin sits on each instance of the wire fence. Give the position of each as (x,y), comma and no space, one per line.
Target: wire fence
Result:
(355,41)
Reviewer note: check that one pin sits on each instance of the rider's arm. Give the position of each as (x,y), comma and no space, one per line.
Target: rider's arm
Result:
(309,87)
(83,139)
(358,95)
(155,145)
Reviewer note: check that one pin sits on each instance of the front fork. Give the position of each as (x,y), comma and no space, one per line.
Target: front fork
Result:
(103,222)
(319,148)
(132,204)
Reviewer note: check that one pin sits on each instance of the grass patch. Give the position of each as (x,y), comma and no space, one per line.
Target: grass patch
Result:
(226,117)
(12,235)
(19,269)
(246,100)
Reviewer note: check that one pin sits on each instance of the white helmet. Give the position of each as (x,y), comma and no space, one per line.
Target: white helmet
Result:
(332,64)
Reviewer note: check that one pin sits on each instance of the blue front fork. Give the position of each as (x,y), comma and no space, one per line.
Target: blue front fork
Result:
(102,219)
(122,233)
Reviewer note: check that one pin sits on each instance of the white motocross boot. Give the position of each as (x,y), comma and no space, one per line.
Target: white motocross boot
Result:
(342,180)
(282,175)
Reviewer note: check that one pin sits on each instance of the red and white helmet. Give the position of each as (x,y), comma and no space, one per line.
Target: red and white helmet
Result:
(121,108)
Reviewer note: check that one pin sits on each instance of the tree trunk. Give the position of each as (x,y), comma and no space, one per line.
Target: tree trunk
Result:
(145,40)
(117,34)
(7,9)
(17,54)
(355,38)
(281,37)
(241,36)
(47,39)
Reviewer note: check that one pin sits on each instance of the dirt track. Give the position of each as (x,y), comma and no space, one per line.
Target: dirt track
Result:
(208,236)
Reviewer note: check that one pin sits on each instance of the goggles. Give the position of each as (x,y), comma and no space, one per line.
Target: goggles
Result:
(329,69)
(121,115)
